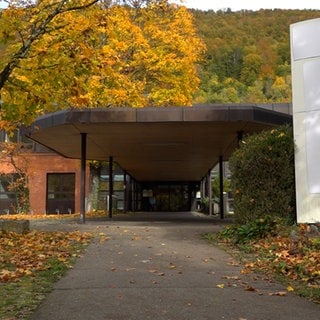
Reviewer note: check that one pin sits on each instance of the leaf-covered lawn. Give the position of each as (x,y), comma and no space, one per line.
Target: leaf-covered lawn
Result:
(293,258)
(24,216)
(30,263)
(24,254)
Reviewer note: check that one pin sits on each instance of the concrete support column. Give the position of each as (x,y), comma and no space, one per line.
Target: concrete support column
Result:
(110,186)
(210,192)
(221,174)
(203,187)
(83,178)
(125,192)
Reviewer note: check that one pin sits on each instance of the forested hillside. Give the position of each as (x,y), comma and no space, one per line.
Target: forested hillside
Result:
(248,55)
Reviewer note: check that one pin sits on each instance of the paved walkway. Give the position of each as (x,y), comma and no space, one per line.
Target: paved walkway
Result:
(162,269)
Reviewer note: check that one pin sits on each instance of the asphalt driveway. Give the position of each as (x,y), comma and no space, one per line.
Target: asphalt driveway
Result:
(157,266)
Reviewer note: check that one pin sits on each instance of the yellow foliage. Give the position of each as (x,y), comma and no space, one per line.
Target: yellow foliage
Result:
(29,253)
(99,56)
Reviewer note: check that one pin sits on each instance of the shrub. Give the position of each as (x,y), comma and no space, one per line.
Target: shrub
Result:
(256,229)
(263,176)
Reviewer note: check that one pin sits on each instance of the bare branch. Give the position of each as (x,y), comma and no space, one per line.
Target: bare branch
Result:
(81,7)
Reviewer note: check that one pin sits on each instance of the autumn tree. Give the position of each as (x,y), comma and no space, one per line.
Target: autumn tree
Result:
(13,174)
(22,25)
(84,53)
(81,53)
(252,64)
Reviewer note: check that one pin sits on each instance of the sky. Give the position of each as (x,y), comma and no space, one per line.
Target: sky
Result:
(237,5)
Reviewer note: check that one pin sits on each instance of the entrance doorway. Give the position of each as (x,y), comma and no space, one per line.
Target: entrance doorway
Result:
(60,193)
(172,197)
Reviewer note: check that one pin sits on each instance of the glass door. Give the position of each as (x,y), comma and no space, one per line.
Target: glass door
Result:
(60,193)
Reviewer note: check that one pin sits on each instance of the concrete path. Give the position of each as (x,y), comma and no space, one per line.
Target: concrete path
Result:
(162,269)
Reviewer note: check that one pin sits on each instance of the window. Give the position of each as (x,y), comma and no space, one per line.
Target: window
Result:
(17,137)
(118,188)
(8,198)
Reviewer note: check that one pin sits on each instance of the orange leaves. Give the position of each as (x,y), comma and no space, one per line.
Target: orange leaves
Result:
(23,255)
(293,254)
(296,257)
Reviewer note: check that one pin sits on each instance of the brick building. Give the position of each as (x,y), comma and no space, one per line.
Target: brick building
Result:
(52,179)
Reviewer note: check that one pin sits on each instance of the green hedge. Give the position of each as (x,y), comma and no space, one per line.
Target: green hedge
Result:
(263,176)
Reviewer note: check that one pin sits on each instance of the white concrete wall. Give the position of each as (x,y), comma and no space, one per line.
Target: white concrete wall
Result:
(305,60)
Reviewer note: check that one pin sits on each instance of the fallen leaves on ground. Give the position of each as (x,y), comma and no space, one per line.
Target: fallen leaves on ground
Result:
(24,254)
(24,216)
(295,257)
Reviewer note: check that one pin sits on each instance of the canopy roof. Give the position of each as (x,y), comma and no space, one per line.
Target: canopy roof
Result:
(157,144)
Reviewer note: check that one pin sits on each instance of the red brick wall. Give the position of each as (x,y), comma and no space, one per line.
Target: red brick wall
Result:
(38,167)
